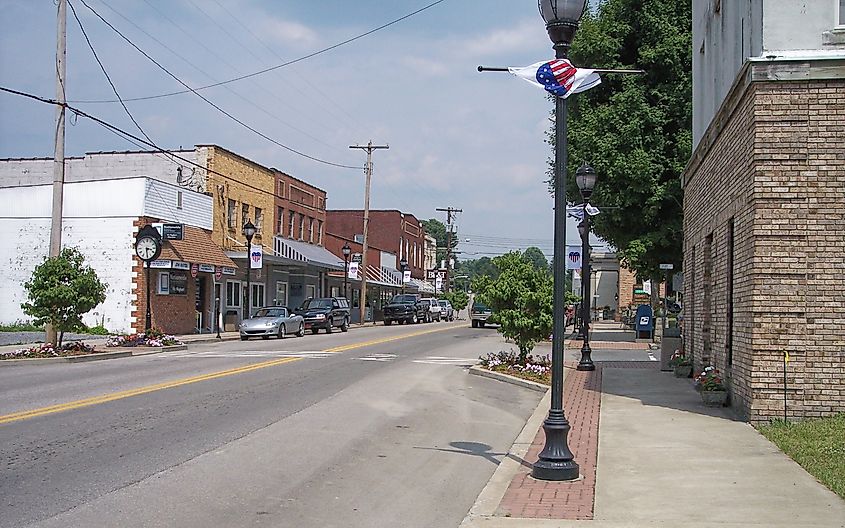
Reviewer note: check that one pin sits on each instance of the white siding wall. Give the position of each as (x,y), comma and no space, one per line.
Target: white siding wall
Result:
(161,200)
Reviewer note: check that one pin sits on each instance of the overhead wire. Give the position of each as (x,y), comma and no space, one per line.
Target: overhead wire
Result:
(278,66)
(211,103)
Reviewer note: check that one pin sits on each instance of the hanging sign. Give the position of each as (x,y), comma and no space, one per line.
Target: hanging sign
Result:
(178,264)
(406,276)
(206,268)
(195,269)
(256,257)
(218,273)
(172,231)
(178,283)
(353,270)
(160,264)
(573,258)
(356,257)
(228,271)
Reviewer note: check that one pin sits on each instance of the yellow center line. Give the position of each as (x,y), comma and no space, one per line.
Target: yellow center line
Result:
(95,400)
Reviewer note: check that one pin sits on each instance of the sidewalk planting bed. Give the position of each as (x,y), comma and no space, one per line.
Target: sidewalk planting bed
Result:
(817,445)
(153,338)
(536,368)
(47,350)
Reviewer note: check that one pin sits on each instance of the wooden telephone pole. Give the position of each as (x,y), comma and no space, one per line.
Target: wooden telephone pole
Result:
(449,212)
(368,170)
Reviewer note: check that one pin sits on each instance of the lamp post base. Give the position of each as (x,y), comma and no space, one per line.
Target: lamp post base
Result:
(556,461)
(586,362)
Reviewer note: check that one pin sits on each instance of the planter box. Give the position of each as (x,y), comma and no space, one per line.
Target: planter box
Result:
(714,398)
(683,371)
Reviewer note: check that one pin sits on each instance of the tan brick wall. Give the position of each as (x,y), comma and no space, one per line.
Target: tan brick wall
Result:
(777,168)
(247,183)
(627,280)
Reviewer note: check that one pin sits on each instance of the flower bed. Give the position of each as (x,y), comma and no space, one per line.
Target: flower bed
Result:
(153,338)
(47,350)
(536,368)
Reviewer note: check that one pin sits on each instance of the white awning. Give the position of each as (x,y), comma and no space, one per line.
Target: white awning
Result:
(317,256)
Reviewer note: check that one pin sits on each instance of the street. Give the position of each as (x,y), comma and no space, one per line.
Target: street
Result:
(375,427)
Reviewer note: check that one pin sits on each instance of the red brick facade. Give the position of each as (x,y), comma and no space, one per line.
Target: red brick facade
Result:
(300,210)
(388,230)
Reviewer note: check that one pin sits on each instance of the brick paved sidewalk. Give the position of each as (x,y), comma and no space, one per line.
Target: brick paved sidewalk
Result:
(529,498)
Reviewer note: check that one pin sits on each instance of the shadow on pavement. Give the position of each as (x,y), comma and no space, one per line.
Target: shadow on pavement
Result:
(476,449)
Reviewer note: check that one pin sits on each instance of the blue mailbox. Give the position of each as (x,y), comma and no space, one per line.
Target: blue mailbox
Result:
(644,322)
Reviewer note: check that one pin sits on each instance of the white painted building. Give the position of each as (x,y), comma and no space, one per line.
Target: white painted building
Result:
(99,218)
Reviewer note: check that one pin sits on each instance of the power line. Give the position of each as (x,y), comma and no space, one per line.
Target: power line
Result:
(218,108)
(278,66)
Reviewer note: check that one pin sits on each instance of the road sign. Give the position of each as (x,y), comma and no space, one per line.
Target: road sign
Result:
(172,231)
(195,268)
(667,266)
(356,257)
(218,273)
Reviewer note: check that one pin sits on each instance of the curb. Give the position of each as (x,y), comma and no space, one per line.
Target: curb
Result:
(67,359)
(488,500)
(507,378)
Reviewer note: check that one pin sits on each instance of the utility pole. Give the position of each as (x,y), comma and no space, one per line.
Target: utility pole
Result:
(59,153)
(449,212)
(368,170)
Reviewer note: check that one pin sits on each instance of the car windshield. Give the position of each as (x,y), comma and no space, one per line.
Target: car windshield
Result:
(442,303)
(478,307)
(270,312)
(319,303)
(403,299)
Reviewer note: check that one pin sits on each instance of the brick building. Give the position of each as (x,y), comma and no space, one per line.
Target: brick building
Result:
(399,233)
(764,204)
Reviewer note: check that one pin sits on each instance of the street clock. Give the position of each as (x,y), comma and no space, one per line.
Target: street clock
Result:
(148,244)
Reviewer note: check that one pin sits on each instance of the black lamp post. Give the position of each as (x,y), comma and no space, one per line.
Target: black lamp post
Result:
(346,252)
(404,265)
(249,232)
(585,177)
(556,461)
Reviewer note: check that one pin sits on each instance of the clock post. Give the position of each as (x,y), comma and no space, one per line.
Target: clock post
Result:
(148,248)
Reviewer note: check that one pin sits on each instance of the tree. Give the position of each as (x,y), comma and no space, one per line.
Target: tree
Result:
(521,300)
(61,290)
(536,257)
(457,298)
(479,268)
(635,130)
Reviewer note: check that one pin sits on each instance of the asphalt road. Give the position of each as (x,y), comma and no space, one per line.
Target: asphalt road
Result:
(375,427)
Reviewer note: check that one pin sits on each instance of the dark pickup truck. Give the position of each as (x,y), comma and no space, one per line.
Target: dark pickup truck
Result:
(325,313)
(405,308)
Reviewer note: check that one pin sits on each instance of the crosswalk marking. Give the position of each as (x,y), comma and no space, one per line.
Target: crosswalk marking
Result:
(378,357)
(440,360)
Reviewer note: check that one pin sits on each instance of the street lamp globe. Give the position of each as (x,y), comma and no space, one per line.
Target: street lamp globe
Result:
(346,250)
(403,264)
(561,17)
(249,230)
(586,177)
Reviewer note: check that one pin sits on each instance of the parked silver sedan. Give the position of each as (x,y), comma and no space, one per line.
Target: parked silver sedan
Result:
(272,321)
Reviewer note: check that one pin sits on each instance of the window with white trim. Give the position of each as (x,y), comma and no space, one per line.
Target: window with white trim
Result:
(281,293)
(310,230)
(231,214)
(233,293)
(319,232)
(291,223)
(301,226)
(256,299)
(163,283)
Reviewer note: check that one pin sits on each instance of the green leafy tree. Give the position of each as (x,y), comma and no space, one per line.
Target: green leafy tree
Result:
(62,289)
(437,229)
(521,299)
(482,267)
(536,257)
(457,298)
(635,130)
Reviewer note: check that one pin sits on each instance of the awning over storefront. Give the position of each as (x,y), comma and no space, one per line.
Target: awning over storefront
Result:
(383,277)
(421,286)
(196,247)
(316,256)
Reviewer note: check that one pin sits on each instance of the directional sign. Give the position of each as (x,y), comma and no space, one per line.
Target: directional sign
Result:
(667,266)
(356,257)
(172,231)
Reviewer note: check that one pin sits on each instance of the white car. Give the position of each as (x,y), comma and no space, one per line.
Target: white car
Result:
(434,310)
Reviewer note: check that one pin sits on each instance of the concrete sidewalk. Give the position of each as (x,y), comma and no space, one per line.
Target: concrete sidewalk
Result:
(658,458)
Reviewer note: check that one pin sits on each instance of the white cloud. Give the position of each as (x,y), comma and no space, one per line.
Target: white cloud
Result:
(520,37)
(289,32)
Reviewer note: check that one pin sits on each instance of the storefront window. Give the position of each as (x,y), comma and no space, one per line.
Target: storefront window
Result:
(310,291)
(233,293)
(356,295)
(257,297)
(163,283)
(281,293)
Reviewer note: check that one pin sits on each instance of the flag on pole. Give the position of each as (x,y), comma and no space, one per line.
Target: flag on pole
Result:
(558,77)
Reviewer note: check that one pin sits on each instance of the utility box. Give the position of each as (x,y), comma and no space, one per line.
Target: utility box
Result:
(644,322)
(670,342)
(230,321)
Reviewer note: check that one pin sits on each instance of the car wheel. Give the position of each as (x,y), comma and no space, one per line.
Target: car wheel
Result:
(330,326)
(481,324)
(345,326)
(315,330)
(474,323)
(388,322)
(281,334)
(415,319)
(265,337)
(301,331)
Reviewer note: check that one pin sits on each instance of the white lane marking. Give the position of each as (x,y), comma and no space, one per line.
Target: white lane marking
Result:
(306,354)
(439,360)
(378,357)
(651,357)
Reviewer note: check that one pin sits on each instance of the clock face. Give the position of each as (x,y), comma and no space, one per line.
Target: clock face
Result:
(146,248)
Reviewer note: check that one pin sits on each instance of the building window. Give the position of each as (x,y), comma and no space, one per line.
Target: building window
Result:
(280,217)
(231,214)
(163,285)
(310,230)
(281,188)
(233,294)
(244,214)
(281,294)
(319,232)
(310,291)
(842,12)
(291,223)
(259,218)
(301,226)
(178,199)
(256,300)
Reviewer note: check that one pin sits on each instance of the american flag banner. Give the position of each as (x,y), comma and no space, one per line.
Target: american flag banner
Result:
(558,77)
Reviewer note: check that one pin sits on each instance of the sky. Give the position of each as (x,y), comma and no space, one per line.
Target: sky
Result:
(458,138)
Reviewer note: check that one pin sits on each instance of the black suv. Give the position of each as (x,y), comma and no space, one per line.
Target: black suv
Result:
(405,308)
(325,312)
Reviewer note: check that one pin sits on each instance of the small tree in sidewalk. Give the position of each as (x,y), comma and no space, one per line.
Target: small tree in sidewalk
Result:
(521,299)
(62,289)
(457,299)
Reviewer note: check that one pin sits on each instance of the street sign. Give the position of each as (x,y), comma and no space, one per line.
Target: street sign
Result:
(667,266)
(218,273)
(195,268)
(430,274)
(172,231)
(356,257)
